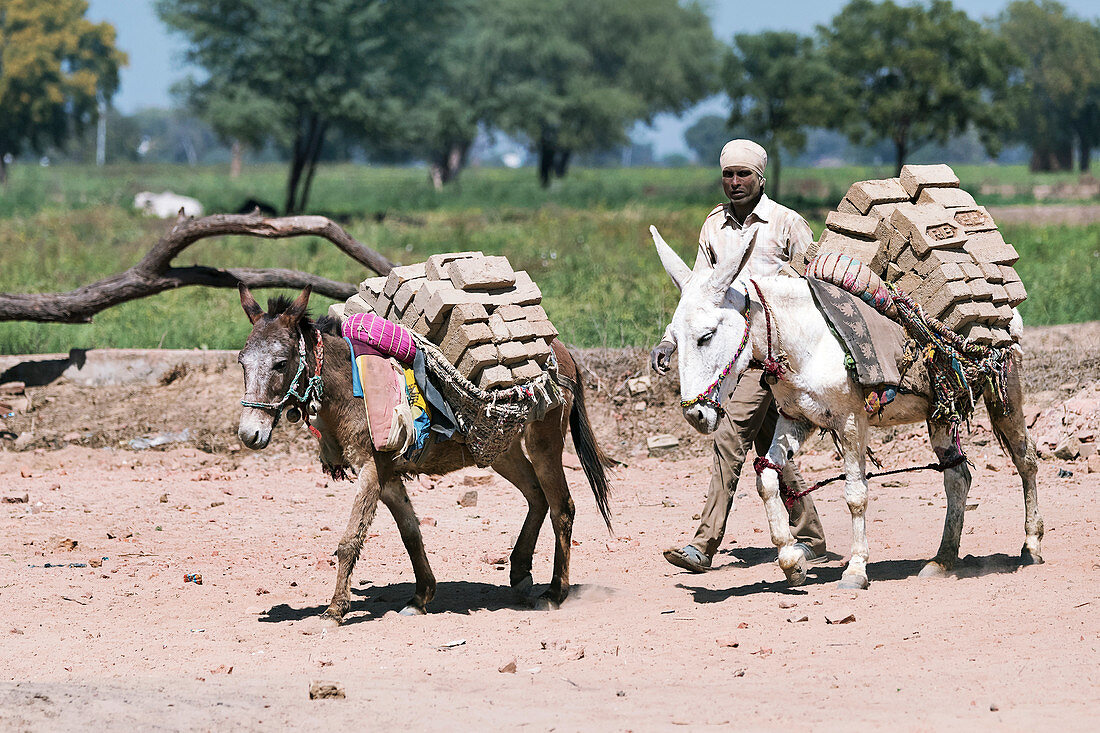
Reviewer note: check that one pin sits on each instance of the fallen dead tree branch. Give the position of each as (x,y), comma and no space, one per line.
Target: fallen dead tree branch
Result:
(154,274)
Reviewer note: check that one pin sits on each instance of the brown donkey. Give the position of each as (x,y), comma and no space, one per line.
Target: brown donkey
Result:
(277,374)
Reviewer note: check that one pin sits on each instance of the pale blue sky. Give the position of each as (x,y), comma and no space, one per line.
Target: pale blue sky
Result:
(155,54)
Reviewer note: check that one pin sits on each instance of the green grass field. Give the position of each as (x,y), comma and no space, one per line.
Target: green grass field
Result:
(585,241)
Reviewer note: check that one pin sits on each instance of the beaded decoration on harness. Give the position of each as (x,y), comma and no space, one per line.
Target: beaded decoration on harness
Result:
(311,396)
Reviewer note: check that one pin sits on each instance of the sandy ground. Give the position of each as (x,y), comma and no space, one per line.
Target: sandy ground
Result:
(639,645)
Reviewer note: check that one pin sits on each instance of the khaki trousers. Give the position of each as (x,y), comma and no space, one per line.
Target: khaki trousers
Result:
(750,420)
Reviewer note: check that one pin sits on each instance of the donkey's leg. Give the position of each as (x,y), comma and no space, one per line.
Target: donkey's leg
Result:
(397,501)
(545,440)
(788,440)
(853,444)
(347,552)
(515,467)
(956,484)
(1014,436)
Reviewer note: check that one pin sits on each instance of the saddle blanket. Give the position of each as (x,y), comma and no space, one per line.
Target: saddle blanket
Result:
(876,344)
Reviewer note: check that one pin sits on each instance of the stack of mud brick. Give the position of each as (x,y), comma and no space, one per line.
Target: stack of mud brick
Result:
(929,238)
(486,318)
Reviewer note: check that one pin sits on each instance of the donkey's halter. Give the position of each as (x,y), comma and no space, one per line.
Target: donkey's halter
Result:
(314,386)
(715,388)
(773,367)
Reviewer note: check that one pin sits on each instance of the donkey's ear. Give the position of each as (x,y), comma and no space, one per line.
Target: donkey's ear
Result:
(674,266)
(252,309)
(720,281)
(297,309)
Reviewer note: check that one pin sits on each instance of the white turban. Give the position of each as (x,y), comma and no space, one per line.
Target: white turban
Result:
(744,154)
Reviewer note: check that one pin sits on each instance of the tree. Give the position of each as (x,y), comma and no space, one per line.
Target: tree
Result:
(55,68)
(706,137)
(912,74)
(574,75)
(777,84)
(1055,95)
(311,65)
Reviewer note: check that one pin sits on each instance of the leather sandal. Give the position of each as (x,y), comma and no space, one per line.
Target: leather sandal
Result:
(689,558)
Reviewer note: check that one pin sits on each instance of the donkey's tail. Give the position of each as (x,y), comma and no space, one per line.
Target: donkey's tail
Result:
(593,459)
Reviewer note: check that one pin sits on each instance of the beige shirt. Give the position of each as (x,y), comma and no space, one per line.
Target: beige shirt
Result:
(780,234)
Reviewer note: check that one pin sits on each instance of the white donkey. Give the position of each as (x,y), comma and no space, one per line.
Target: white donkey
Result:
(721,325)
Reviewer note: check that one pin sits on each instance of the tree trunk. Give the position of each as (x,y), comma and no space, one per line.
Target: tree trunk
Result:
(3,171)
(303,140)
(236,162)
(314,154)
(901,149)
(561,162)
(445,167)
(546,162)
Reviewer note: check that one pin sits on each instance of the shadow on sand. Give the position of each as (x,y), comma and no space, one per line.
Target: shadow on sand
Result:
(373,602)
(885,570)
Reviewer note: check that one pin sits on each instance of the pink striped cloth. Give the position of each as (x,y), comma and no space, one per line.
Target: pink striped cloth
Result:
(385,336)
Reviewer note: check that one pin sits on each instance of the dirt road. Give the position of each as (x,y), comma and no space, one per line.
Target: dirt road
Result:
(638,646)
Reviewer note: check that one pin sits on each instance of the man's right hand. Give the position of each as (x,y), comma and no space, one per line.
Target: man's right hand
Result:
(660,359)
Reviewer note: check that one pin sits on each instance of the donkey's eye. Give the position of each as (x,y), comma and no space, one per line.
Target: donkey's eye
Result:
(279,365)
(705,338)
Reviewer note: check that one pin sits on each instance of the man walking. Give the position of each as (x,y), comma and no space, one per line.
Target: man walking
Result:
(762,235)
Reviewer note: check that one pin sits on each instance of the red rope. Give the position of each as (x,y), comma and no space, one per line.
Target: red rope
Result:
(773,368)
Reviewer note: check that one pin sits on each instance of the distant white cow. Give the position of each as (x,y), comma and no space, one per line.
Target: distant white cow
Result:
(166,205)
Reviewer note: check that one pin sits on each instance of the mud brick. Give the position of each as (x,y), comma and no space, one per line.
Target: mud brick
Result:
(869,253)
(1016,293)
(938,258)
(526,371)
(477,358)
(971,270)
(893,272)
(865,194)
(457,337)
(960,314)
(988,312)
(373,285)
(895,241)
(799,263)
(980,334)
(1001,337)
(927,227)
(949,198)
(860,227)
(1000,295)
(847,207)
(909,262)
(511,312)
(399,275)
(909,282)
(543,330)
(519,330)
(512,352)
(981,288)
(407,291)
(538,350)
(495,377)
(434,267)
(408,318)
(426,329)
(336,310)
(936,292)
(467,313)
(991,247)
(954,271)
(1008,274)
(991,271)
(498,328)
(1004,315)
(524,292)
(882,211)
(357,304)
(435,298)
(916,178)
(973,219)
(480,273)
(535,313)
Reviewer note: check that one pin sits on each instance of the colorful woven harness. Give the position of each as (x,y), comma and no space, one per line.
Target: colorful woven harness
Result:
(715,388)
(310,397)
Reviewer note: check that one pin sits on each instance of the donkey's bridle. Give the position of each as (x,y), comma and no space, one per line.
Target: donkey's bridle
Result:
(704,397)
(315,386)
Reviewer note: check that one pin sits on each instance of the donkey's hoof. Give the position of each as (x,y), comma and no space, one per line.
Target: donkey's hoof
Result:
(1027,557)
(933,569)
(852,582)
(330,619)
(412,610)
(546,603)
(521,589)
